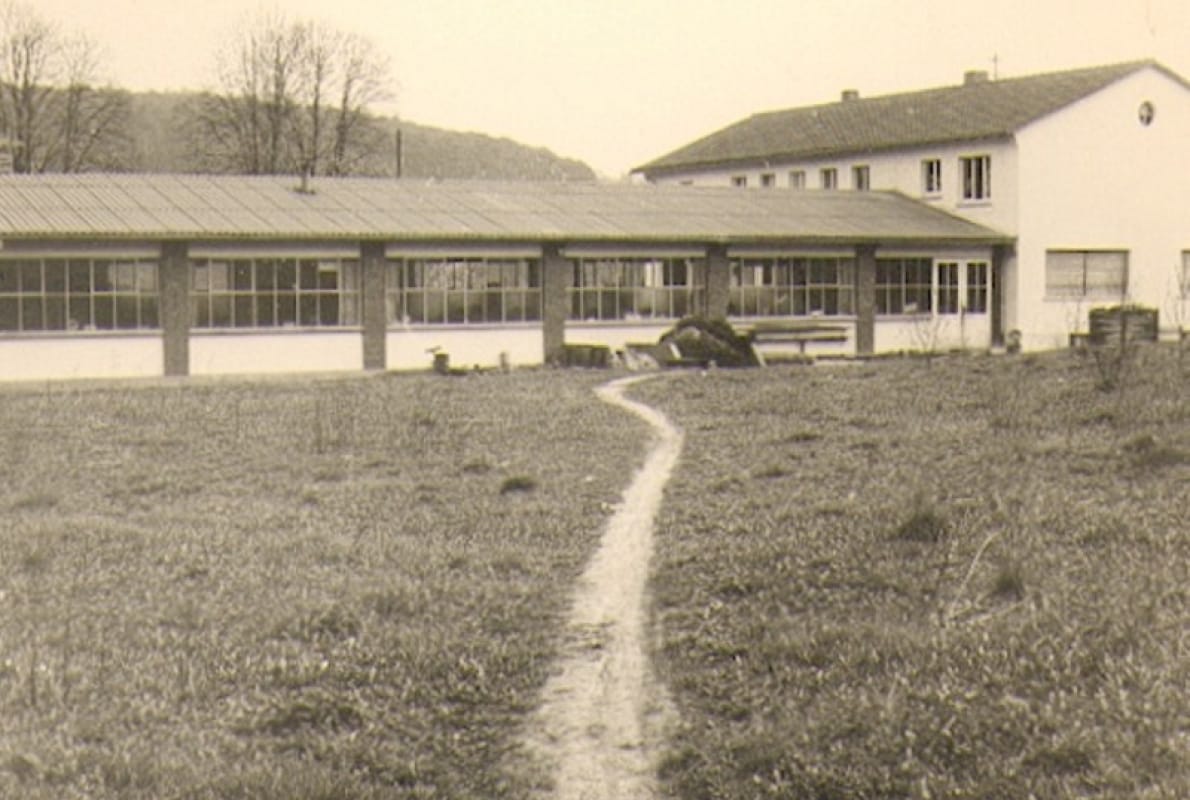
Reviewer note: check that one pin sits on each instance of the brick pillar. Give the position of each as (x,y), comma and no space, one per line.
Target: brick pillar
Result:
(175,307)
(865,300)
(373,302)
(556,279)
(718,282)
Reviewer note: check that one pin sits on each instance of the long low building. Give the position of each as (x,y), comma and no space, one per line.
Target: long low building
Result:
(146,275)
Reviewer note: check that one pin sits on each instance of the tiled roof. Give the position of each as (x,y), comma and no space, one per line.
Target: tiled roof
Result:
(211,207)
(979,110)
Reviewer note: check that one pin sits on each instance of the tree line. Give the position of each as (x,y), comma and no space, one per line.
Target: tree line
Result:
(292,96)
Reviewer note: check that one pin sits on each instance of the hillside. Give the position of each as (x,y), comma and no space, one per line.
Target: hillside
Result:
(160,145)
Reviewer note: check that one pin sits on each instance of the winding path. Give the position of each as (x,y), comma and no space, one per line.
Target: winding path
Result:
(600,723)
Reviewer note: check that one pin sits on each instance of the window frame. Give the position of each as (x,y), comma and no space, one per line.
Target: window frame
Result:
(463,290)
(978,287)
(1083,287)
(41,294)
(946,288)
(931,177)
(768,180)
(975,173)
(739,181)
(828,178)
(861,177)
(911,292)
(797,179)
(634,288)
(270,293)
(794,285)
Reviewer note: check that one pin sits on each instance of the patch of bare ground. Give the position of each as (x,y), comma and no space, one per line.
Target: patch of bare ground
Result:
(597,732)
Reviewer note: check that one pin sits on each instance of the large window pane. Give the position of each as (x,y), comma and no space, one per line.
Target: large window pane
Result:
(630,288)
(451,291)
(10,278)
(10,314)
(77,294)
(796,286)
(32,318)
(55,276)
(276,292)
(1086,274)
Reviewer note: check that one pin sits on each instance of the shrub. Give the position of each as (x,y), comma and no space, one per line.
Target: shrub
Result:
(1009,583)
(703,339)
(517,484)
(925,525)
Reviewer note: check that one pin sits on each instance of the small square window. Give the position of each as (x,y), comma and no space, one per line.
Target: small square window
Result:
(797,179)
(739,181)
(768,180)
(829,178)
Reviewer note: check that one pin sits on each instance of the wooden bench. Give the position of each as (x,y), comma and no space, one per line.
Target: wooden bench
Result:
(799,332)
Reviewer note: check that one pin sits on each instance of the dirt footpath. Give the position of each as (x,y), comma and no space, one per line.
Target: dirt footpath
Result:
(598,730)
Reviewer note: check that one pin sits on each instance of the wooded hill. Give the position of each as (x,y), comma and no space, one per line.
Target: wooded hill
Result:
(159,142)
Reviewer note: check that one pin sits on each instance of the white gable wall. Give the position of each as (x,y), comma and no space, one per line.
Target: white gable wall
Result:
(1093,177)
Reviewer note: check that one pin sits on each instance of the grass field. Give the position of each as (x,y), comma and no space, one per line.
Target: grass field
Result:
(314,589)
(964,578)
(969,578)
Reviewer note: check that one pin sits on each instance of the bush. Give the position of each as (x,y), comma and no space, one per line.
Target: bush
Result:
(706,340)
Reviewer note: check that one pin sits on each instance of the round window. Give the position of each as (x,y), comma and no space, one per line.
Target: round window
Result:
(1145,112)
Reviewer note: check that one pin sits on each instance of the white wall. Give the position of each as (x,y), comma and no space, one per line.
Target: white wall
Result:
(902,171)
(248,352)
(926,333)
(616,334)
(76,355)
(467,346)
(1093,177)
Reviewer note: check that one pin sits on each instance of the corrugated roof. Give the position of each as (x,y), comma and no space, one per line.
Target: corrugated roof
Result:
(211,207)
(979,110)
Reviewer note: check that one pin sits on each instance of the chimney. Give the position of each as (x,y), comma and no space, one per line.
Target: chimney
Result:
(850,94)
(974,76)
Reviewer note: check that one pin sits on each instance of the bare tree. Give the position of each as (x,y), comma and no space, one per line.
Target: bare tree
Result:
(53,115)
(92,122)
(293,97)
(364,81)
(26,79)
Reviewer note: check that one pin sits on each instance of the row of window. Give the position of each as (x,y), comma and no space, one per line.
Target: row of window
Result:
(78,294)
(975,173)
(828,178)
(275,292)
(123,294)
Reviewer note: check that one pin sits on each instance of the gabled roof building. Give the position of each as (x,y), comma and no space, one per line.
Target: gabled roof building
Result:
(1085,170)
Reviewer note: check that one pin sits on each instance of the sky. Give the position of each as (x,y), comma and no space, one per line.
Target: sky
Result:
(617,83)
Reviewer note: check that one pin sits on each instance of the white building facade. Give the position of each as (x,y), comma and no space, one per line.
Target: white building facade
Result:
(1086,170)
